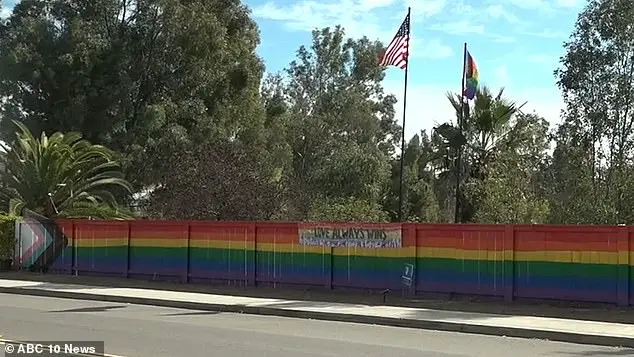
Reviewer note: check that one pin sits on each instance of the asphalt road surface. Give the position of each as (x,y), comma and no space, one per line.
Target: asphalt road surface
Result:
(145,331)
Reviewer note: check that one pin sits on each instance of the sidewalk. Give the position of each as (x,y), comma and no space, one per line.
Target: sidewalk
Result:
(560,329)
(581,311)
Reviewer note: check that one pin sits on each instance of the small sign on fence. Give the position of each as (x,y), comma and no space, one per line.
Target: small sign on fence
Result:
(408,275)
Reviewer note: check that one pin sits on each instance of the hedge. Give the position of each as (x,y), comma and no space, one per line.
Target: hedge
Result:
(7,236)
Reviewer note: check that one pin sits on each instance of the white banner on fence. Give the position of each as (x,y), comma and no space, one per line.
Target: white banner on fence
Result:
(353,236)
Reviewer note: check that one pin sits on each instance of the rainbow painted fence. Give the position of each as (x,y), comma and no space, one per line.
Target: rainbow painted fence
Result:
(579,263)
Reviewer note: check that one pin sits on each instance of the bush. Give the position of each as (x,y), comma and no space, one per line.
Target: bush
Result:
(7,236)
(347,210)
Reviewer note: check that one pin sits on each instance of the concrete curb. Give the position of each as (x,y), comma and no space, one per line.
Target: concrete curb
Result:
(373,320)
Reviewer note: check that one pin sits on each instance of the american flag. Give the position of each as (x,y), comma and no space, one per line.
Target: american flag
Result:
(398,50)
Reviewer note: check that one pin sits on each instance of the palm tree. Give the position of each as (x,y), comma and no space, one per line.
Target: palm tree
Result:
(61,176)
(486,128)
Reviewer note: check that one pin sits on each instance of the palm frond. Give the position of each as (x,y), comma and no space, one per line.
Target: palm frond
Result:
(61,172)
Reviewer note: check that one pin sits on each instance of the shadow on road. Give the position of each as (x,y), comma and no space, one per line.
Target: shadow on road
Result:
(197,313)
(92,309)
(614,353)
(310,304)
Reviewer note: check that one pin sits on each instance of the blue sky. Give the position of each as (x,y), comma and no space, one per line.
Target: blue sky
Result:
(516,43)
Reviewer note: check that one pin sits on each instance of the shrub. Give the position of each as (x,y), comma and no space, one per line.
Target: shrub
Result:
(7,236)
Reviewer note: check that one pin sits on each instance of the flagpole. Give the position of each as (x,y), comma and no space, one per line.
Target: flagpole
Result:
(457,213)
(400,190)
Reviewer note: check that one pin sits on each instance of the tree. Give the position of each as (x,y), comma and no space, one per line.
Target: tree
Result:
(61,176)
(341,128)
(572,182)
(420,202)
(595,142)
(512,191)
(327,209)
(135,76)
(217,181)
(487,127)
(174,89)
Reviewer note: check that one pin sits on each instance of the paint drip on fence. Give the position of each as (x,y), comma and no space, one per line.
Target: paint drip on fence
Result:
(361,237)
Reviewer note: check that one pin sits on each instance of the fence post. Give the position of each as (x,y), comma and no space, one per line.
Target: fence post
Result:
(187,232)
(17,254)
(72,247)
(127,250)
(75,249)
(329,263)
(509,262)
(252,253)
(411,232)
(623,267)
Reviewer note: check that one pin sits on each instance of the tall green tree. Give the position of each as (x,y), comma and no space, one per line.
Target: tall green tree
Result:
(513,189)
(595,142)
(420,199)
(341,127)
(61,176)
(137,76)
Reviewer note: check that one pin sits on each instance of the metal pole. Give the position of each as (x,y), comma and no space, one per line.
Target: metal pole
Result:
(400,191)
(457,213)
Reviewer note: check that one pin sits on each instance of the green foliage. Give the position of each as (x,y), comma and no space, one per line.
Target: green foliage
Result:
(420,198)
(591,168)
(61,175)
(138,77)
(508,194)
(487,127)
(347,210)
(7,235)
(175,90)
(217,181)
(338,123)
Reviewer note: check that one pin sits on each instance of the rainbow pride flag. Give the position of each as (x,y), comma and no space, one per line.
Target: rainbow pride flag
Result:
(472,76)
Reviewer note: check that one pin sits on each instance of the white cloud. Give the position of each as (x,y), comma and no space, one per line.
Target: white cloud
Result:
(502,38)
(545,59)
(426,8)
(498,11)
(569,3)
(530,4)
(305,15)
(472,21)
(308,15)
(545,33)
(494,10)
(432,49)
(370,5)
(544,5)
(501,75)
(462,27)
(5,12)
(378,19)
(357,19)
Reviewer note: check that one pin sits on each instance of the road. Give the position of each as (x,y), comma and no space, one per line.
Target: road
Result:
(145,331)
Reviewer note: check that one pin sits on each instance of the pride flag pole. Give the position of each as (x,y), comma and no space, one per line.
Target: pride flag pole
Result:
(457,215)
